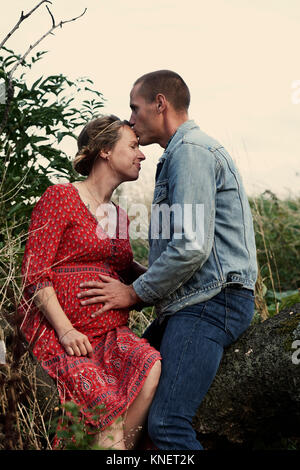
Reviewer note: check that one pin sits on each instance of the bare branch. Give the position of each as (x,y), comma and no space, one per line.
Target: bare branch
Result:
(22,18)
(54,26)
(73,19)
(53,21)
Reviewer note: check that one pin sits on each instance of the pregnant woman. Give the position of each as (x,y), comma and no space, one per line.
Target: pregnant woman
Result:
(94,360)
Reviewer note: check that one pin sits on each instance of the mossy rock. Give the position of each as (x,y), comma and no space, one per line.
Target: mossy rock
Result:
(256,392)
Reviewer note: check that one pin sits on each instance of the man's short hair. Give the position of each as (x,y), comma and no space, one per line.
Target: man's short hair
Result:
(169,84)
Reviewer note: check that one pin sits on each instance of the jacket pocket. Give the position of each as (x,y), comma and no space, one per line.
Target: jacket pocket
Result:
(160,227)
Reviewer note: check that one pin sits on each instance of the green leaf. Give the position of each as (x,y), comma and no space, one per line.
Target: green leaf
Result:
(264,289)
(15,208)
(36,83)
(289,301)
(63,434)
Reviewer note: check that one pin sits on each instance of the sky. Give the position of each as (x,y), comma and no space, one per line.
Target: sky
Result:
(240,59)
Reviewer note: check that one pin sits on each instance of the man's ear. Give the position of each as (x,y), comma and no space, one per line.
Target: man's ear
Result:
(161,103)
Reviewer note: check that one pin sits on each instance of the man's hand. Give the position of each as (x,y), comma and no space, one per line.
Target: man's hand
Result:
(109,291)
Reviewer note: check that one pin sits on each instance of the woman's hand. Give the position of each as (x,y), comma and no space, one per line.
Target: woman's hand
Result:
(76,343)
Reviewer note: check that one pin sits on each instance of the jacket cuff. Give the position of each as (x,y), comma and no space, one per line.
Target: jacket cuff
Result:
(144,292)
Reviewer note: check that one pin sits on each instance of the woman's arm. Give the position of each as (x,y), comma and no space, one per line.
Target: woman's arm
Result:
(49,219)
(72,340)
(138,269)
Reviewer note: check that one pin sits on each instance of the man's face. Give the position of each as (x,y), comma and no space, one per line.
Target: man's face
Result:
(145,120)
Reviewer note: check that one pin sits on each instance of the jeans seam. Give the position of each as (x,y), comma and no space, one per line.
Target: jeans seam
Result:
(175,380)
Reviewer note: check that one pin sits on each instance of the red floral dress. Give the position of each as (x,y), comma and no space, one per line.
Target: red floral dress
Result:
(66,246)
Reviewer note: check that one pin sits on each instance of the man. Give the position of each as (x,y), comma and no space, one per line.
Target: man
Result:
(202,274)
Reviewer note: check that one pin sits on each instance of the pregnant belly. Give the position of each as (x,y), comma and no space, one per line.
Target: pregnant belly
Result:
(66,283)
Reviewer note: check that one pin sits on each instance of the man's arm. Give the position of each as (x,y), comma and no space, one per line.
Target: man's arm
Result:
(128,276)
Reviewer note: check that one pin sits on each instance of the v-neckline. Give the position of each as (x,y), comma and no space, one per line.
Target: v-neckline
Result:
(92,215)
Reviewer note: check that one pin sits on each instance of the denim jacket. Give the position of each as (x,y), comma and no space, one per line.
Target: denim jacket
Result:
(188,264)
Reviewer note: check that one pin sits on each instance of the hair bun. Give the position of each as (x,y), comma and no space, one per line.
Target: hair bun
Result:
(81,163)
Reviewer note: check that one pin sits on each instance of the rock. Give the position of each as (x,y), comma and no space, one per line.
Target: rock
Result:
(256,392)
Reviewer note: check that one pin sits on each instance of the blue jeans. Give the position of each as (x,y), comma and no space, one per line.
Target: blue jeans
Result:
(191,343)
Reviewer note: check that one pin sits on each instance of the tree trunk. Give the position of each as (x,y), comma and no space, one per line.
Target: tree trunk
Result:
(255,397)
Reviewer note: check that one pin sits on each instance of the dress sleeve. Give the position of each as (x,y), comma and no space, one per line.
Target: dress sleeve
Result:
(48,221)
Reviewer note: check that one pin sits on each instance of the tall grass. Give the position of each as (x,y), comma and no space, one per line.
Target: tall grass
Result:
(277,233)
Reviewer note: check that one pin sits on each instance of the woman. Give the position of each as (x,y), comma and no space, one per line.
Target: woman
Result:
(94,360)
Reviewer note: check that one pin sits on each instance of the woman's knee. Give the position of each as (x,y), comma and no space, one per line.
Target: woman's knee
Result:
(156,370)
(152,380)
(154,374)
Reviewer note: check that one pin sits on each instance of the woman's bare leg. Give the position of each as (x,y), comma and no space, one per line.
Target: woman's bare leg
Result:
(124,433)
(136,415)
(113,436)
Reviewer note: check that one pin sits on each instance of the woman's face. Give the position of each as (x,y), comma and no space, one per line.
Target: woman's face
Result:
(125,158)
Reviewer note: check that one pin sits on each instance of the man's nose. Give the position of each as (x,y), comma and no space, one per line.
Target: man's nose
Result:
(131,120)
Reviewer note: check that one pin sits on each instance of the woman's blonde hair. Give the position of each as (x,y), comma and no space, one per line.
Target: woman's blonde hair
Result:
(99,134)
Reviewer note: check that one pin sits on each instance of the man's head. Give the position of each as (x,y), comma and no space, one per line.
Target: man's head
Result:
(159,102)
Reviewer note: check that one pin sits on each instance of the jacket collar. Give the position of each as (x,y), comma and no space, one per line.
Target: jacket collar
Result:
(181,130)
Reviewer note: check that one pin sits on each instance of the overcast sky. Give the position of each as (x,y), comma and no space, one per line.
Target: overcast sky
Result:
(238,57)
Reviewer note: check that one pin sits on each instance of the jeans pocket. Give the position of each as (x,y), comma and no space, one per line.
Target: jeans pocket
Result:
(214,311)
(247,293)
(196,309)
(239,313)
